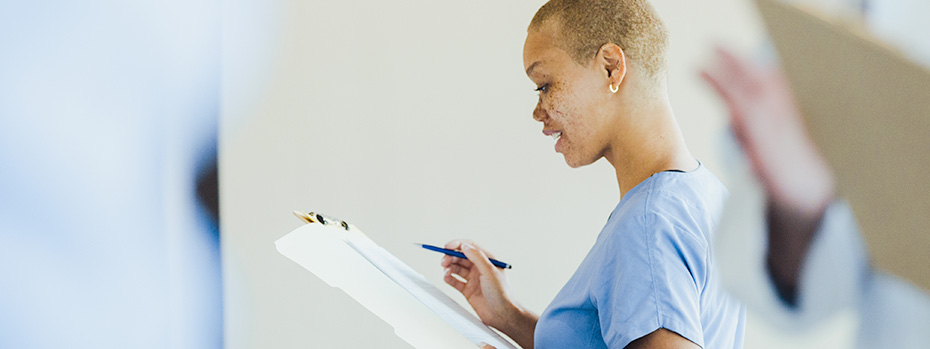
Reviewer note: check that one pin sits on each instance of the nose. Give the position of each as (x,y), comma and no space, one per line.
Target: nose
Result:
(539,114)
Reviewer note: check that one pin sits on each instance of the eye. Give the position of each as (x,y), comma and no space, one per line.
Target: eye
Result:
(543,88)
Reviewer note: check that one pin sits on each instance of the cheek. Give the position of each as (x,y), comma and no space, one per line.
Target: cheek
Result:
(572,115)
(563,107)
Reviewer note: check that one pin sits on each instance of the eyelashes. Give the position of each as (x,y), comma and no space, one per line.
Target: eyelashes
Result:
(542,89)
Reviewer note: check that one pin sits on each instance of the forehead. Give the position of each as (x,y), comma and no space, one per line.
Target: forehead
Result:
(540,49)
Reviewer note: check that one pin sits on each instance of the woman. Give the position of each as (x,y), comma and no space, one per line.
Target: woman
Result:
(648,281)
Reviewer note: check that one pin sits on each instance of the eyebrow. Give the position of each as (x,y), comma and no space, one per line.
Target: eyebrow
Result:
(530,69)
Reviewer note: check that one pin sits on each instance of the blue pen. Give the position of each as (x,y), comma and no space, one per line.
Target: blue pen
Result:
(455,253)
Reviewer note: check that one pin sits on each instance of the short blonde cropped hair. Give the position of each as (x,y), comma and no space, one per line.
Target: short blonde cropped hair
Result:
(586,25)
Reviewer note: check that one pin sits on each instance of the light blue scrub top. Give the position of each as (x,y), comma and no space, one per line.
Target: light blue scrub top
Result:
(651,268)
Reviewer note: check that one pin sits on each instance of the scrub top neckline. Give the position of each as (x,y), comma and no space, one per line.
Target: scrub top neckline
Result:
(655,176)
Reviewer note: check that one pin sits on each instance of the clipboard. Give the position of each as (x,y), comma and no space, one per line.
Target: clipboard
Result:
(867,107)
(343,256)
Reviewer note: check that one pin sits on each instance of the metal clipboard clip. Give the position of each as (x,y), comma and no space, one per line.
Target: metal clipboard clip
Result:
(322,219)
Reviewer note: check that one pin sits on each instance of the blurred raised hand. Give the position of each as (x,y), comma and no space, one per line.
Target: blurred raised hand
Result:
(771,132)
(797,181)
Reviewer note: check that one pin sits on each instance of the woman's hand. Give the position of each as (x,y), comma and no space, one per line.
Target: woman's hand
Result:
(485,286)
(488,292)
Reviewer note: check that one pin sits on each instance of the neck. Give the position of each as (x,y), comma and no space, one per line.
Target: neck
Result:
(648,142)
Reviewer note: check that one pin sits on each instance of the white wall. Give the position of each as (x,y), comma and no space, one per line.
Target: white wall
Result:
(411,119)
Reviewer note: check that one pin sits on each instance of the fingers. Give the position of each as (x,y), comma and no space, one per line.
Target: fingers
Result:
(458,266)
(727,87)
(722,86)
(735,77)
(478,258)
(457,244)
(452,281)
(463,272)
(449,260)
(727,93)
(742,73)
(717,78)
(732,78)
(714,79)
(458,270)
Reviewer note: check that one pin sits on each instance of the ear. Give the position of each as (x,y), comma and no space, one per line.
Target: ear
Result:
(611,59)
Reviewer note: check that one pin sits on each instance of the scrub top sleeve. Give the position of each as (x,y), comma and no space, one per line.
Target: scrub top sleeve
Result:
(656,286)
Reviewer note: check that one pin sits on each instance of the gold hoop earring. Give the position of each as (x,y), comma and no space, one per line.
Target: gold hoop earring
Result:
(614,90)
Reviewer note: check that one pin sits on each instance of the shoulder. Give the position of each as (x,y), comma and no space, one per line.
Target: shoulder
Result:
(667,223)
(690,202)
(657,258)
(662,216)
(656,237)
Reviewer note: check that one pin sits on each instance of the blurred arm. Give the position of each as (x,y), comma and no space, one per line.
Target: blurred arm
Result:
(797,182)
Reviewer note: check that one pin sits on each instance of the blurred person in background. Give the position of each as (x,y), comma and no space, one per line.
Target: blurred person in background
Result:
(108,221)
(815,262)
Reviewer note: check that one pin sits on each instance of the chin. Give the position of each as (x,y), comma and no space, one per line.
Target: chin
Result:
(576,161)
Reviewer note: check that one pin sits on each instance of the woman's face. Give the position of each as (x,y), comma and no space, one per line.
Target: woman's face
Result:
(573,99)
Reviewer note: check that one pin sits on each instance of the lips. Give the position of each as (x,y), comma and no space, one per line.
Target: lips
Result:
(553,133)
(557,136)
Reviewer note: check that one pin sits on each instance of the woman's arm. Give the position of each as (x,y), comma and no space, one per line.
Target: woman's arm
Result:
(662,338)
(488,292)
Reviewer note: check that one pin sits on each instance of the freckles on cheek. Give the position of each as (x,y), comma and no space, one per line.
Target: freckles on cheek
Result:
(557,115)
(563,103)
(558,110)
(565,116)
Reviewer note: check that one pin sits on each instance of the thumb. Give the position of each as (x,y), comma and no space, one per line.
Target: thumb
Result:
(478,258)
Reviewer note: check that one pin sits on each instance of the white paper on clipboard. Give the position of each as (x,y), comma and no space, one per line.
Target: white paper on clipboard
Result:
(420,313)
